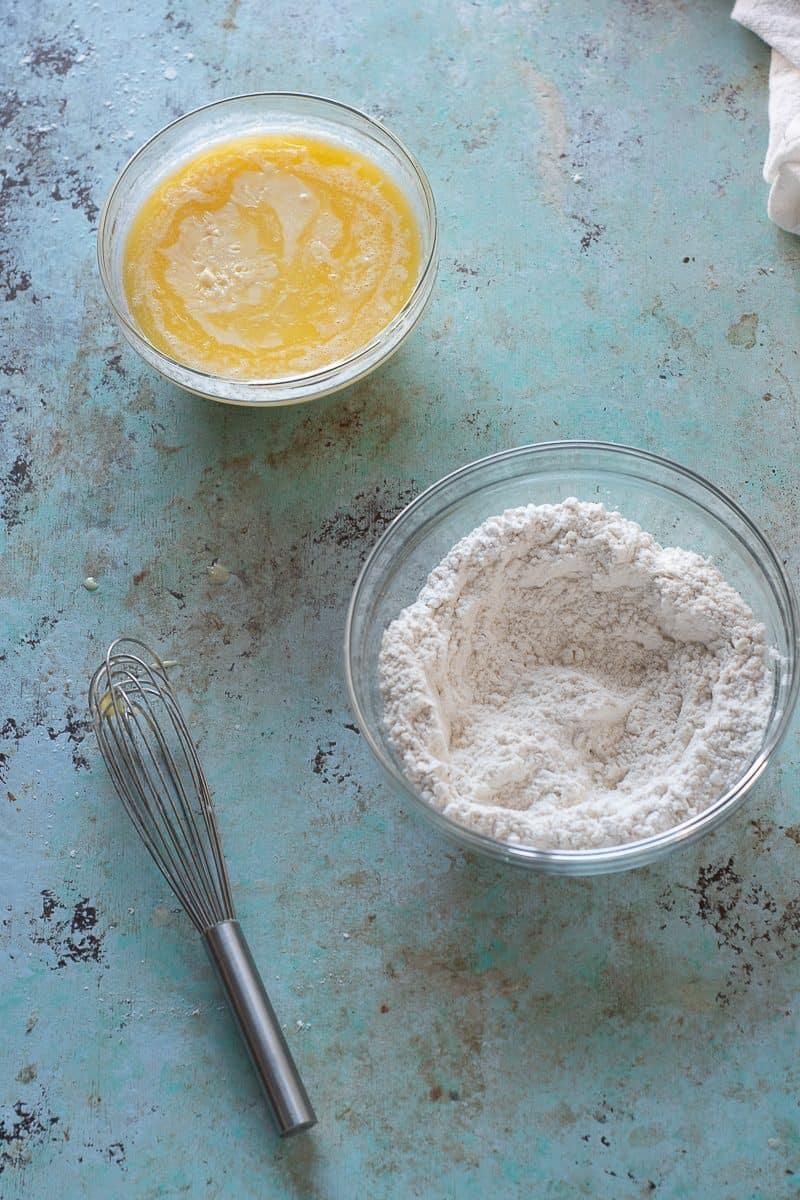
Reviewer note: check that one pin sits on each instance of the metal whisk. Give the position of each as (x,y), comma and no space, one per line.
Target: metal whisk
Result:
(153,761)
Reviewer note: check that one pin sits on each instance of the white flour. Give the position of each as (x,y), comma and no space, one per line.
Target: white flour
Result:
(564,681)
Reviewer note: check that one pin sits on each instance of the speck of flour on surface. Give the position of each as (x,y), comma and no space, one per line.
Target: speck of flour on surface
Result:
(563,681)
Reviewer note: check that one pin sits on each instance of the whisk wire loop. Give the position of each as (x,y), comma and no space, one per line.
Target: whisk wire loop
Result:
(170,840)
(157,772)
(174,821)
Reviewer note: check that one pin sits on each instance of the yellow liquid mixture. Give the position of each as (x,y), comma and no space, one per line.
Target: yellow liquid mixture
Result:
(270,256)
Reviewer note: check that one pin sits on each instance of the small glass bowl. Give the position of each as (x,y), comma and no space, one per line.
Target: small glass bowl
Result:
(676,505)
(266,112)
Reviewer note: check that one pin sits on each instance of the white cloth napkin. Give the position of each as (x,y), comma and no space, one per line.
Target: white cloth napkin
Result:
(777,22)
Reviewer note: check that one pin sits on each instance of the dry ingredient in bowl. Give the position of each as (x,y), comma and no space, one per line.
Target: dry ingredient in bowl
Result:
(563,681)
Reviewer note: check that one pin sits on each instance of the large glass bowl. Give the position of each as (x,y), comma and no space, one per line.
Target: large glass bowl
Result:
(676,505)
(264,113)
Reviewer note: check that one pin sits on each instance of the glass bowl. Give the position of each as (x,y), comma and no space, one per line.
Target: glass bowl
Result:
(266,112)
(676,505)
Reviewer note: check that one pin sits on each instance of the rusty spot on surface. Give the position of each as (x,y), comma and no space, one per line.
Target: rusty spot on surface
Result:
(17,484)
(743,332)
(115,1153)
(78,190)
(11,729)
(435,1093)
(731,102)
(328,767)
(229,20)
(239,462)
(19,475)
(593,231)
(113,365)
(756,928)
(763,830)
(788,925)
(48,56)
(71,937)
(358,879)
(34,636)
(718,890)
(10,187)
(320,759)
(29,1125)
(75,727)
(10,105)
(177,22)
(361,415)
(365,519)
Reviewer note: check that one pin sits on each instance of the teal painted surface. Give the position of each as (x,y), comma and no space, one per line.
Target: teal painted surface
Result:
(464,1031)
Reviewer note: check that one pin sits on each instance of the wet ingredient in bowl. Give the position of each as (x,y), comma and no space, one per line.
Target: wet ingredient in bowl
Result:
(270,256)
(565,682)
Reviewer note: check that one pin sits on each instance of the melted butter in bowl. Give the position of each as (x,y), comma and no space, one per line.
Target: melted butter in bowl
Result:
(270,256)
(269,249)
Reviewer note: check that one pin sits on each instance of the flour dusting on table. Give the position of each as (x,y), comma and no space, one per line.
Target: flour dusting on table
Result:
(563,681)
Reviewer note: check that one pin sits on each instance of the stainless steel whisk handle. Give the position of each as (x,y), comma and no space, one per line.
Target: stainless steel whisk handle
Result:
(259,1028)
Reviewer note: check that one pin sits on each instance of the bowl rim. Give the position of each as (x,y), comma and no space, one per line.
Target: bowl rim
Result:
(324,377)
(605,858)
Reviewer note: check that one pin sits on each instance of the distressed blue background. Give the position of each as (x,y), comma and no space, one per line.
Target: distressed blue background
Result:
(465,1031)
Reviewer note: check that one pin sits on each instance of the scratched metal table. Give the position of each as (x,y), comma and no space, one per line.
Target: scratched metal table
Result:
(465,1031)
